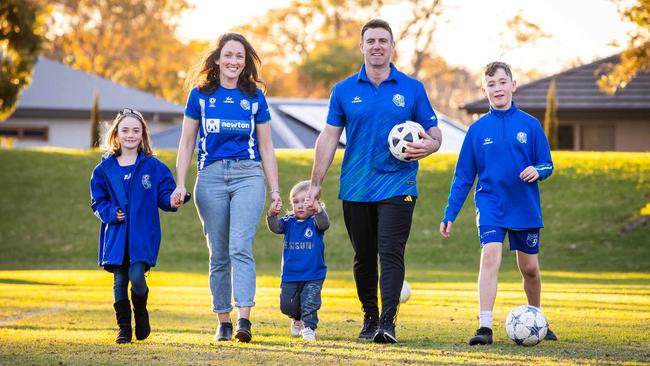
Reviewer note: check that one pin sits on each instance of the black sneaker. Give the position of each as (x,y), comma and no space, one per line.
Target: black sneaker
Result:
(550,336)
(243,330)
(385,333)
(370,325)
(483,336)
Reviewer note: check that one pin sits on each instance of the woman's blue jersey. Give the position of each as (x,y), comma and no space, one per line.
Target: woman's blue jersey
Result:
(227,120)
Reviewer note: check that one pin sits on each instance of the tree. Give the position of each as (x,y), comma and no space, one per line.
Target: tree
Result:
(21,25)
(94,122)
(637,55)
(551,122)
(520,32)
(131,42)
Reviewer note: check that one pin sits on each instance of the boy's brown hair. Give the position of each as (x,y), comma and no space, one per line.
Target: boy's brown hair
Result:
(492,67)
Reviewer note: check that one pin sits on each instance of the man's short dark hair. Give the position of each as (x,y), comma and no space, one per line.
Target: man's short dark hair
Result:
(492,67)
(377,23)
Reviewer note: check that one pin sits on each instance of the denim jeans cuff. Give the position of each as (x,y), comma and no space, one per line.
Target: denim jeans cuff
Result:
(245,304)
(221,311)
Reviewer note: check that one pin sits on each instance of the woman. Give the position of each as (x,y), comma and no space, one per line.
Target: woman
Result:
(231,117)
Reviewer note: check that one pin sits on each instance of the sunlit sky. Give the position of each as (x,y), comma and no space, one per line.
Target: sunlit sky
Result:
(469,34)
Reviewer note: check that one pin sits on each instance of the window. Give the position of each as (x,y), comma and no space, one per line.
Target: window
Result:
(598,138)
(25,133)
(565,138)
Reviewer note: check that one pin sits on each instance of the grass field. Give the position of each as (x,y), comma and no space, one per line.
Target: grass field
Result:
(55,305)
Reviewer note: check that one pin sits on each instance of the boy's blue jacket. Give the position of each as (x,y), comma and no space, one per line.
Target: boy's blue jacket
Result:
(497,147)
(152,184)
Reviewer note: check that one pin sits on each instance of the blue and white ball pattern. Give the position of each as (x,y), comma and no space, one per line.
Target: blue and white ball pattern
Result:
(526,325)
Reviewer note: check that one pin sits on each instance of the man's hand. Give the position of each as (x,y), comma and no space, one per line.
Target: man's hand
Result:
(530,174)
(312,197)
(422,149)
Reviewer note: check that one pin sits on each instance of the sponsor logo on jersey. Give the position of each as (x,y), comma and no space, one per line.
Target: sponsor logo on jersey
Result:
(398,99)
(146,181)
(522,137)
(487,141)
(245,104)
(228,100)
(212,125)
(216,125)
(212,101)
(357,99)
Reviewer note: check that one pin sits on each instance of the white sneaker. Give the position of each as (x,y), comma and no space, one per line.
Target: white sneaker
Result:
(296,327)
(308,334)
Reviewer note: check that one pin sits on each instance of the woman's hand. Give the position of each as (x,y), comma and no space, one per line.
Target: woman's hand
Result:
(276,203)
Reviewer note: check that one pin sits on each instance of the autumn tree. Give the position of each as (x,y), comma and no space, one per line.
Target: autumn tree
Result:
(21,25)
(551,122)
(636,57)
(95,133)
(131,42)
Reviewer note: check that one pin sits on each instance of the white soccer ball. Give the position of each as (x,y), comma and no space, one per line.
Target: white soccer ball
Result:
(400,135)
(405,294)
(526,325)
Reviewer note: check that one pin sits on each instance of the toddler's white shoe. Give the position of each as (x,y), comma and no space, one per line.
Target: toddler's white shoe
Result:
(308,334)
(296,327)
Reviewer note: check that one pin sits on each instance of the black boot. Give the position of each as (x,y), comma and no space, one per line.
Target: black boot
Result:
(123,316)
(142,327)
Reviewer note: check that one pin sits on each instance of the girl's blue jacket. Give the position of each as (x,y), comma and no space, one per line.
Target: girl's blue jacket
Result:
(497,147)
(152,184)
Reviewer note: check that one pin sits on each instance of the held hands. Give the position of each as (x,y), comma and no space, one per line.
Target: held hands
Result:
(445,230)
(422,149)
(311,200)
(178,197)
(276,203)
(529,175)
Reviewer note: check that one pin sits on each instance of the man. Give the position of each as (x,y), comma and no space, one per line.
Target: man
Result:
(508,151)
(378,191)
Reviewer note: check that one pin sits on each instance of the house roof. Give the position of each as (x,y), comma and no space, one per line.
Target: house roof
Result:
(61,91)
(296,123)
(576,90)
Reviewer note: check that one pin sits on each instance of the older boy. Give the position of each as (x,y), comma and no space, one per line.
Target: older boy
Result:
(508,151)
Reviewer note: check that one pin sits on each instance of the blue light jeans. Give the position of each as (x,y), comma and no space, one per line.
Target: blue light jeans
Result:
(121,276)
(301,301)
(229,197)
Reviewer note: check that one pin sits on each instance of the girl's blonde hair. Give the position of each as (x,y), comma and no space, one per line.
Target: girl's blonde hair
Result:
(302,186)
(111,143)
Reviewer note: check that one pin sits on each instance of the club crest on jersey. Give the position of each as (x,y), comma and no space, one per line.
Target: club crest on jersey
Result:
(308,233)
(146,181)
(398,99)
(245,104)
(532,239)
(212,101)
(522,137)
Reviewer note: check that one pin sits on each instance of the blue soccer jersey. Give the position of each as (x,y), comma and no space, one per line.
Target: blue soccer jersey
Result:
(496,149)
(303,257)
(370,173)
(227,120)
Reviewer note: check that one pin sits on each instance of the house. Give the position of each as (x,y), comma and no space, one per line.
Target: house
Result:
(296,123)
(55,109)
(589,119)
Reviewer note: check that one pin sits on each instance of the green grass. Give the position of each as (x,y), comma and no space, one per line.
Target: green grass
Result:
(55,305)
(65,317)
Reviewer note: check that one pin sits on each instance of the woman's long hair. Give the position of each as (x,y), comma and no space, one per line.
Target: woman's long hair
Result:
(205,75)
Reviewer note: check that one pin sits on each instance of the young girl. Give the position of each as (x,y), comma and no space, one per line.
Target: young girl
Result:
(303,260)
(127,188)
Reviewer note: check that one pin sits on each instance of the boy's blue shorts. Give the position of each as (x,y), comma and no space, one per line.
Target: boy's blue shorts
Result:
(525,240)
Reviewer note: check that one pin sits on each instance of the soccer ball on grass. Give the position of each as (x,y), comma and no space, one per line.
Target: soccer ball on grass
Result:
(526,325)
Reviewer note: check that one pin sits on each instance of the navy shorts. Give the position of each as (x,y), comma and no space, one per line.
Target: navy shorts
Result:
(525,240)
